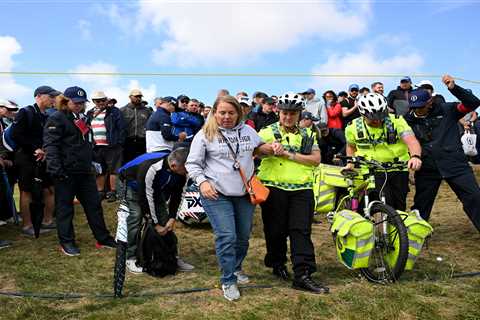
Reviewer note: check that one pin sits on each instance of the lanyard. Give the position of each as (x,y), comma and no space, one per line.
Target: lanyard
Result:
(235,153)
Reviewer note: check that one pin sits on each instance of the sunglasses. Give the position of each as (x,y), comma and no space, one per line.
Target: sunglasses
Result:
(138,96)
(99,100)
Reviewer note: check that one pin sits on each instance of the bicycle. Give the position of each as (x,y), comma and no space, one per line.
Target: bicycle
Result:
(389,254)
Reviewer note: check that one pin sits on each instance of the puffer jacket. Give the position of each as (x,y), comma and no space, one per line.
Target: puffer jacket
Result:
(136,118)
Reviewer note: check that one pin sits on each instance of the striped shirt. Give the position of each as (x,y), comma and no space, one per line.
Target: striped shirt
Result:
(99,129)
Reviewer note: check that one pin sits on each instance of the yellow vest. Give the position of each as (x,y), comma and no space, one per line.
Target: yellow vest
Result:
(283,173)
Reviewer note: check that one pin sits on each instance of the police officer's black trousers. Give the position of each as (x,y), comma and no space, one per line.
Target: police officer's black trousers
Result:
(465,187)
(395,190)
(84,188)
(289,214)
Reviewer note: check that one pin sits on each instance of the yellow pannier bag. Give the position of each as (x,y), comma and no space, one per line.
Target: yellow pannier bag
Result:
(354,238)
(325,195)
(417,230)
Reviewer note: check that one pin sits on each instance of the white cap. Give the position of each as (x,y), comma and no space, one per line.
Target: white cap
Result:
(10,105)
(96,95)
(425,82)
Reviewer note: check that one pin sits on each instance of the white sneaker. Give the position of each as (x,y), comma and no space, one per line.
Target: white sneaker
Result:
(132,266)
(182,266)
(242,278)
(230,292)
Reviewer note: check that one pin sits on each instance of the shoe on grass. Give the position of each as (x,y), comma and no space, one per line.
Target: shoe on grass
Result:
(132,266)
(182,266)
(242,278)
(70,249)
(5,244)
(109,243)
(230,292)
(29,232)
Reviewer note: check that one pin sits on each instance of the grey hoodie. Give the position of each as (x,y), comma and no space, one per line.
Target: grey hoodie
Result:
(213,160)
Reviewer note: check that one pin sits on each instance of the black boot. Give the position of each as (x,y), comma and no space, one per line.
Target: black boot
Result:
(281,272)
(306,283)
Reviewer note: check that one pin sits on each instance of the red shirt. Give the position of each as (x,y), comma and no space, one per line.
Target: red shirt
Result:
(335,116)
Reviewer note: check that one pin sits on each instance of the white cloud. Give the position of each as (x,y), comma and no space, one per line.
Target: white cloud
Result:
(85,29)
(9,88)
(199,32)
(368,60)
(110,84)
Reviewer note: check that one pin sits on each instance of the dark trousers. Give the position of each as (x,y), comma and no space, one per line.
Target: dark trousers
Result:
(133,147)
(395,190)
(84,188)
(465,187)
(289,214)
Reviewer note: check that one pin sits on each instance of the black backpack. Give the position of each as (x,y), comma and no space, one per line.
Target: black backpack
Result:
(155,253)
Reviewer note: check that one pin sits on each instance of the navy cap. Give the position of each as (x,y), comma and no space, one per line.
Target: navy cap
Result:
(171,100)
(309,91)
(406,79)
(308,116)
(46,90)
(182,97)
(418,98)
(76,94)
(353,86)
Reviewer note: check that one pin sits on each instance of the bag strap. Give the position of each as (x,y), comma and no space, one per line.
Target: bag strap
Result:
(237,163)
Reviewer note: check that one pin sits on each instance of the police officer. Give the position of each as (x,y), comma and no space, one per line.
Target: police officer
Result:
(288,211)
(435,126)
(69,152)
(378,135)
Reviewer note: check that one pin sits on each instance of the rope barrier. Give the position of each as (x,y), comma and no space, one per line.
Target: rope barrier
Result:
(223,74)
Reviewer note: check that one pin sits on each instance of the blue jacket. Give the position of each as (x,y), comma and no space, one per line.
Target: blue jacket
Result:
(159,131)
(187,122)
(114,124)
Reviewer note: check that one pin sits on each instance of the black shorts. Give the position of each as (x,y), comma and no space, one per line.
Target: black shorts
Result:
(25,167)
(109,157)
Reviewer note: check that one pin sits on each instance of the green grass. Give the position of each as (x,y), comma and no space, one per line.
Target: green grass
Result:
(38,266)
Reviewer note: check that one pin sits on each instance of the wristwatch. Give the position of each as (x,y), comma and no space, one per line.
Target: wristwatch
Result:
(416,156)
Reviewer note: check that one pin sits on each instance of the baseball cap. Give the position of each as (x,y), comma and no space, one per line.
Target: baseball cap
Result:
(406,79)
(353,86)
(418,98)
(308,116)
(97,95)
(425,84)
(309,91)
(10,105)
(269,100)
(76,94)
(170,99)
(244,100)
(135,92)
(46,90)
(183,97)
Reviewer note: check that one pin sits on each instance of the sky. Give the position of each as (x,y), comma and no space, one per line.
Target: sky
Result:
(327,37)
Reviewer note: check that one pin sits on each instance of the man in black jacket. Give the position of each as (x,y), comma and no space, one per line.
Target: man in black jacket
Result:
(27,132)
(136,115)
(331,143)
(69,152)
(435,126)
(265,116)
(398,99)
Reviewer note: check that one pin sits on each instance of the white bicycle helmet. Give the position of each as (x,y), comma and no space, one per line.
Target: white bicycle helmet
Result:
(291,101)
(373,106)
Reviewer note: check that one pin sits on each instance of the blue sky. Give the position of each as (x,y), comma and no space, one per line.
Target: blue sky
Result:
(232,36)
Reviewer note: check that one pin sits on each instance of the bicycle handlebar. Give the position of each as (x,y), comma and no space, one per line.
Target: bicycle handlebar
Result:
(382,165)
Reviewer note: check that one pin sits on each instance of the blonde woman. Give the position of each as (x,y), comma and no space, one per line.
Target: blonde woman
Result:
(224,144)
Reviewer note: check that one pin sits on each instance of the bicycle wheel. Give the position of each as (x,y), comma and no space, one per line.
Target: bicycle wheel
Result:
(390,253)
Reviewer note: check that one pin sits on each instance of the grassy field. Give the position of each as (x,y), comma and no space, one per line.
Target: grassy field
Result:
(428,292)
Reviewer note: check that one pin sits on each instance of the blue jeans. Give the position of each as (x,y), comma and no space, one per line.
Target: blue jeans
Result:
(231,220)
